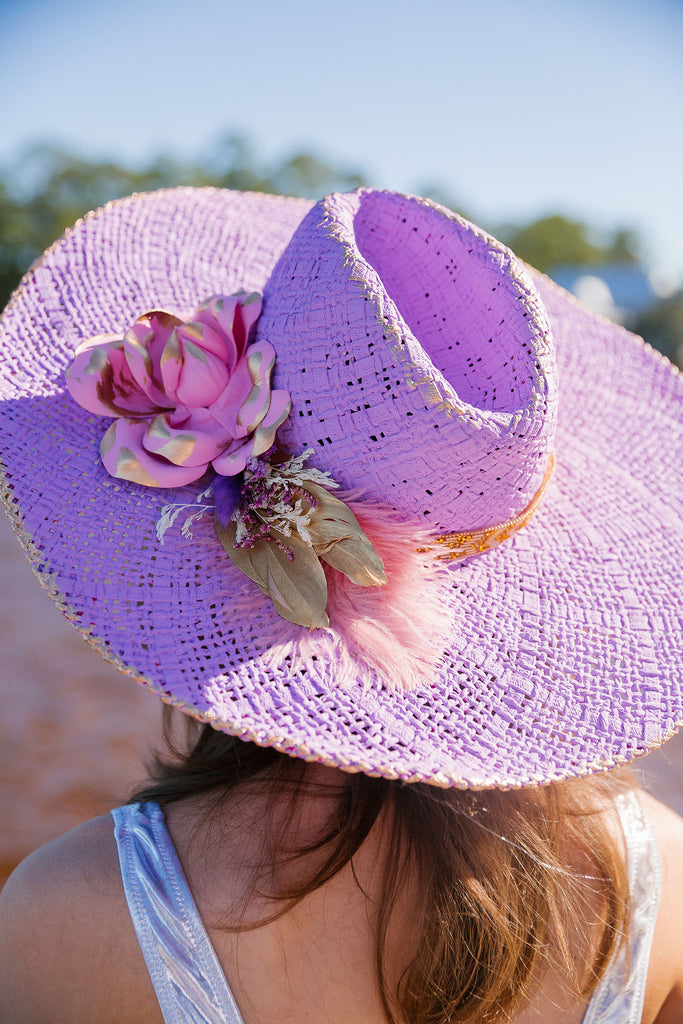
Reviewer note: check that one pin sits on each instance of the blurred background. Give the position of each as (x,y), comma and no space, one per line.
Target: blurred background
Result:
(555,125)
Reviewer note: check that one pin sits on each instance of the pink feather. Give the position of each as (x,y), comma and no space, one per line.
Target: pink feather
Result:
(396,631)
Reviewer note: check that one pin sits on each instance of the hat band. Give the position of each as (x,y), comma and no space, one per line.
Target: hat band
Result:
(463,544)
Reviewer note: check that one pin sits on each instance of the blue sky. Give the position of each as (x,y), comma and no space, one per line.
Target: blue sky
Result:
(516,108)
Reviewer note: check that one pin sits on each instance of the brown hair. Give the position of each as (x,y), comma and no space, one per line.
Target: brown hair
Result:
(500,877)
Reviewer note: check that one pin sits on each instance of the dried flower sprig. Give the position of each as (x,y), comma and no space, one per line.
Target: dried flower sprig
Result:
(284,524)
(277,520)
(275,497)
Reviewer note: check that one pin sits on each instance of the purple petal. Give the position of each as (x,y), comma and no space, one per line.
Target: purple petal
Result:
(227,493)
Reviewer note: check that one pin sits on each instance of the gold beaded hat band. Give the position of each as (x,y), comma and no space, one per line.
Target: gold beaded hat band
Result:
(407,357)
(467,544)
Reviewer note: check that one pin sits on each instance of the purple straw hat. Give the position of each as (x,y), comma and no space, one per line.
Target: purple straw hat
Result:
(508,464)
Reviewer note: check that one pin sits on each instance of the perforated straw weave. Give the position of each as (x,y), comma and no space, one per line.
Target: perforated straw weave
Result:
(419,357)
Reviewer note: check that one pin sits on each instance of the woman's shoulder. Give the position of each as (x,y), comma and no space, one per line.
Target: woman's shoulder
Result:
(664,990)
(68,950)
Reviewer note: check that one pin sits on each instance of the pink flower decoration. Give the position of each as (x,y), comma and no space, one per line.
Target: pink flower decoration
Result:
(186,396)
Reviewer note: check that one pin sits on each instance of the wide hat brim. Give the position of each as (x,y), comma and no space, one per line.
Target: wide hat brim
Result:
(565,653)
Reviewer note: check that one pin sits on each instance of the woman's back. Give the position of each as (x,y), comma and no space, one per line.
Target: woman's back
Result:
(315,963)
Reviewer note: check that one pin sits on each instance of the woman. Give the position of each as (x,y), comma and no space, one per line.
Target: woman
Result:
(488,604)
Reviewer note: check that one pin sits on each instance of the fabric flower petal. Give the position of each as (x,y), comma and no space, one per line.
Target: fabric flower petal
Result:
(218,315)
(100,380)
(234,459)
(260,360)
(194,441)
(246,315)
(143,345)
(234,316)
(278,411)
(188,395)
(124,456)
(227,406)
(192,375)
(246,399)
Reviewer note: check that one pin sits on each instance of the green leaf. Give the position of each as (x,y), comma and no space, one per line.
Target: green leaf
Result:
(297,588)
(338,539)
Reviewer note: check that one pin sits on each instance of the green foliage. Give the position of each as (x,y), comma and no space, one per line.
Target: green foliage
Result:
(662,326)
(623,247)
(556,241)
(50,188)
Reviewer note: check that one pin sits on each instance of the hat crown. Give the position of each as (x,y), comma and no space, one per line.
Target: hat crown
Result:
(434,345)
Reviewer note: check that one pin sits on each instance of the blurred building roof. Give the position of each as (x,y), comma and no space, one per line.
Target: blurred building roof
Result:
(617,290)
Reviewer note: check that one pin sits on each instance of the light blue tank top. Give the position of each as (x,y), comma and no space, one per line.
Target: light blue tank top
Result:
(189,981)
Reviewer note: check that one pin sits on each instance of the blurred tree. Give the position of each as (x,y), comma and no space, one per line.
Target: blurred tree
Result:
(15,252)
(556,241)
(662,326)
(49,188)
(623,247)
(551,241)
(306,175)
(232,163)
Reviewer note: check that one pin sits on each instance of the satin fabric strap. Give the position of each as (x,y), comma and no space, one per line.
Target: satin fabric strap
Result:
(188,979)
(619,997)
(465,543)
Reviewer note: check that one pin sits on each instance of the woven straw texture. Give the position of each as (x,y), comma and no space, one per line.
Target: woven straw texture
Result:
(419,360)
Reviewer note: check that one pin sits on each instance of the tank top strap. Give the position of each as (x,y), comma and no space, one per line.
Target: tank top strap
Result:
(619,996)
(188,979)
